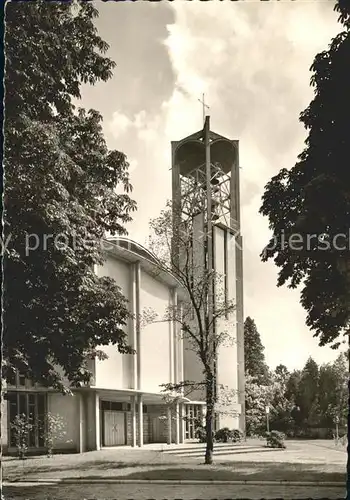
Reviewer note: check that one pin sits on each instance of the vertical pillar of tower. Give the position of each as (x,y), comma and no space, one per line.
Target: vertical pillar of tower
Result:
(133,323)
(175,339)
(209,264)
(138,326)
(172,354)
(236,216)
(209,231)
(176,206)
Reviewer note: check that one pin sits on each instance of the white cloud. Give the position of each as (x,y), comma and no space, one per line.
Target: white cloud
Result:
(120,124)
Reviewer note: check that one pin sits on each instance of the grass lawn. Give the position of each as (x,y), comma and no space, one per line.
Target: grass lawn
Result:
(301,461)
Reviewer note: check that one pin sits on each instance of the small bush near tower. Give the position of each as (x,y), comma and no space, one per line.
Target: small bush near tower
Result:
(226,435)
(275,439)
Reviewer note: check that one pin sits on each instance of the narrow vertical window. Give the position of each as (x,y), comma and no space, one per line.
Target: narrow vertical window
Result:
(32,416)
(41,414)
(13,411)
(22,380)
(33,407)
(12,379)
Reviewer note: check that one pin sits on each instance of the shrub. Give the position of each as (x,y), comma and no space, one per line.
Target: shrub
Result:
(21,427)
(312,433)
(290,433)
(55,430)
(237,435)
(225,435)
(275,439)
(343,440)
(302,434)
(201,434)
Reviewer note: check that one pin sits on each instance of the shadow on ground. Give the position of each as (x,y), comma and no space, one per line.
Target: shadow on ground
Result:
(220,471)
(238,471)
(20,473)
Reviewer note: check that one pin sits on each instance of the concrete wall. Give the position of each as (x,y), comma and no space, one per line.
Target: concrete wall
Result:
(240,330)
(153,421)
(115,372)
(193,370)
(67,408)
(159,424)
(156,339)
(227,353)
(92,427)
(179,346)
(157,356)
(227,373)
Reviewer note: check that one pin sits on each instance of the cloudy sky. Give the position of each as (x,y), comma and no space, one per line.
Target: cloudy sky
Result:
(252,60)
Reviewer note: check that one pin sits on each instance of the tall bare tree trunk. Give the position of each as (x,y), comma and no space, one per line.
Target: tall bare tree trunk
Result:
(209,419)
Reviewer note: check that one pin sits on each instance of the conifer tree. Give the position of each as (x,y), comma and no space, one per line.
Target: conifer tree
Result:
(254,358)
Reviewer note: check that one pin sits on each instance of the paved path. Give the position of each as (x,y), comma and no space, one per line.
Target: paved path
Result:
(174,492)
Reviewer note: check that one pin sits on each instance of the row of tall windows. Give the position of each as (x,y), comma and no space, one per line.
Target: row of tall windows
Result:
(33,407)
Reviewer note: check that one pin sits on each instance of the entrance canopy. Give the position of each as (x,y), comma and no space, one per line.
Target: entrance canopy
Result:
(124,395)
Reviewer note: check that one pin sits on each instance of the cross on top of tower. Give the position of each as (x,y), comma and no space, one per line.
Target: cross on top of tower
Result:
(204,106)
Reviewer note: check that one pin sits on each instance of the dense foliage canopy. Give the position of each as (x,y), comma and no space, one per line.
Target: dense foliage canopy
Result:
(303,403)
(60,196)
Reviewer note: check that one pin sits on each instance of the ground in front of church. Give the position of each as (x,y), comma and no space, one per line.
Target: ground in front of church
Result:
(315,460)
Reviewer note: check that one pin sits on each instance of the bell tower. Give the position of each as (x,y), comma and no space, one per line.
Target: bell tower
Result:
(205,192)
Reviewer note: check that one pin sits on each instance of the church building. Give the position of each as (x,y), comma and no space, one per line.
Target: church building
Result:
(124,404)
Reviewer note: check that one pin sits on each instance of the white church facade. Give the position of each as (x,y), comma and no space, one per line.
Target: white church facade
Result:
(124,403)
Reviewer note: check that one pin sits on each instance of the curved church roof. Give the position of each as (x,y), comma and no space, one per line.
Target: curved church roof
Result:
(133,247)
(131,251)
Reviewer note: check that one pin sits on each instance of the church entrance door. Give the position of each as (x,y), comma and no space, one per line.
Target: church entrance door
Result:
(114,428)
